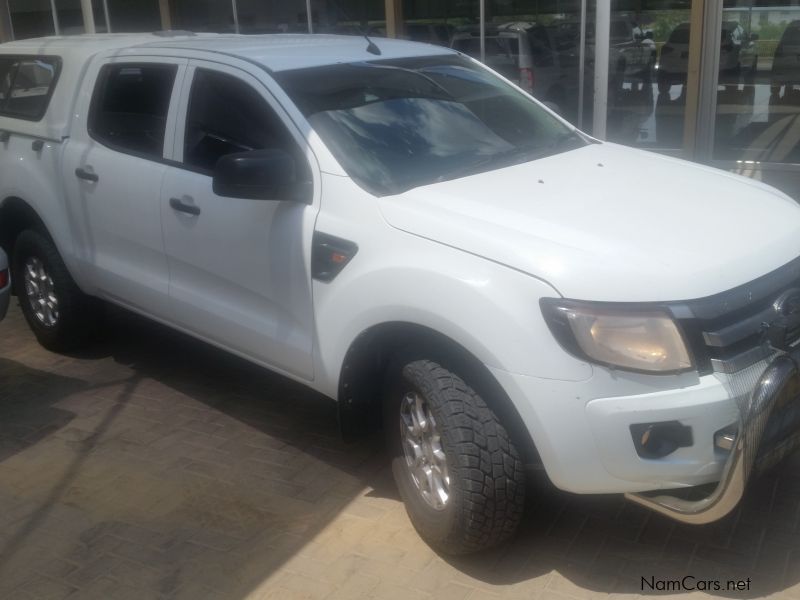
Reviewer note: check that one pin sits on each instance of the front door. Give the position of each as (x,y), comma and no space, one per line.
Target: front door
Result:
(239,268)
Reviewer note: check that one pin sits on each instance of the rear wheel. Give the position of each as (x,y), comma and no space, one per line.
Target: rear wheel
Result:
(456,468)
(58,313)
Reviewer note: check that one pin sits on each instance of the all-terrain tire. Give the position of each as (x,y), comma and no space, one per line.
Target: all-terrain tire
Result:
(486,476)
(75,311)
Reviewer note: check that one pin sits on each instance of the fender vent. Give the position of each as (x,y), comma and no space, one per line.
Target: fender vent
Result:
(329,255)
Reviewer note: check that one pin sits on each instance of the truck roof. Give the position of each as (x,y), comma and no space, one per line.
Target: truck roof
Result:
(276,52)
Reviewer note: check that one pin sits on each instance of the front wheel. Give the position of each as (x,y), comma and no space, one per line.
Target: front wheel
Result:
(58,313)
(456,468)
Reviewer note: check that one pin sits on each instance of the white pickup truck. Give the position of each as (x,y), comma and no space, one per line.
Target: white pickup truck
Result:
(397,227)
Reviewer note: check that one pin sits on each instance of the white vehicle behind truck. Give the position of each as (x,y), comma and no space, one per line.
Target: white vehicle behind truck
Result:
(400,229)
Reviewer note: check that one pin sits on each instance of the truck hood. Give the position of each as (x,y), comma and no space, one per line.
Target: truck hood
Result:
(610,223)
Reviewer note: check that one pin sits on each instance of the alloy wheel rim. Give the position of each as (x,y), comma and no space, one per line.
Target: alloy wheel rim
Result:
(40,291)
(424,455)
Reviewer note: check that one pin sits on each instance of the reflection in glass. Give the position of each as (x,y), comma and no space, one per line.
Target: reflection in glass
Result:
(129,16)
(348,17)
(648,61)
(272,16)
(758,91)
(203,15)
(536,44)
(401,123)
(31,18)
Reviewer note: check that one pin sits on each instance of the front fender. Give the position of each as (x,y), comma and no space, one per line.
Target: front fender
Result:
(490,310)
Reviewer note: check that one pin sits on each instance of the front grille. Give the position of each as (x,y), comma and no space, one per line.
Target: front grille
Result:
(736,344)
(726,332)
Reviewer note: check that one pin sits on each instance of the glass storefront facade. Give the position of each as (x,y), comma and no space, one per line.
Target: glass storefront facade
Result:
(758,85)
(717,82)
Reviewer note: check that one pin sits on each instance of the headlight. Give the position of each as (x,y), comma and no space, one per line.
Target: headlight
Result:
(639,340)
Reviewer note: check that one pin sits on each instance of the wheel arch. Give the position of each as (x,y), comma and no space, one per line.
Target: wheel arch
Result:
(17,215)
(364,370)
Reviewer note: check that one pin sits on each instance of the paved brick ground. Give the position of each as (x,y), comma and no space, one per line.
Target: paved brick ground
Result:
(155,467)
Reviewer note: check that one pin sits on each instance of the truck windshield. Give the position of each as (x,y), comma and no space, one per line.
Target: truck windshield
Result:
(402,123)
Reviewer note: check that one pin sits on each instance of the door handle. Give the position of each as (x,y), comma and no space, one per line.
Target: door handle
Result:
(181,206)
(82,173)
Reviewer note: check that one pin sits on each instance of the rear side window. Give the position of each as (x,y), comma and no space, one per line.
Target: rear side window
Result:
(26,84)
(130,106)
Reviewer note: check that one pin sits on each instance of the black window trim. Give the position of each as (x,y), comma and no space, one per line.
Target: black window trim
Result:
(57,64)
(102,78)
(291,124)
(182,142)
(179,164)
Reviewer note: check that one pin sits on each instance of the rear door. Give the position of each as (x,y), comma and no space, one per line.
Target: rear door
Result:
(240,268)
(113,169)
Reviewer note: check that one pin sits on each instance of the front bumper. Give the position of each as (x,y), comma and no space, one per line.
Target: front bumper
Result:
(582,430)
(767,431)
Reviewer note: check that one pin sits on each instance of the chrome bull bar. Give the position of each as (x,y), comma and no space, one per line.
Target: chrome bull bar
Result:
(755,410)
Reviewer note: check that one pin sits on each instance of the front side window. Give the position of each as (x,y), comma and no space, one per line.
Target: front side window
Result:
(402,123)
(26,85)
(130,106)
(227,116)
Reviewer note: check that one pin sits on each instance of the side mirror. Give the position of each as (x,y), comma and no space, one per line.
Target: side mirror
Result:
(260,175)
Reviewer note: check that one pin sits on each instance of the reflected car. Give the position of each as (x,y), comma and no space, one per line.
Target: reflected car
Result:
(632,53)
(635,58)
(507,50)
(532,56)
(5,284)
(738,59)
